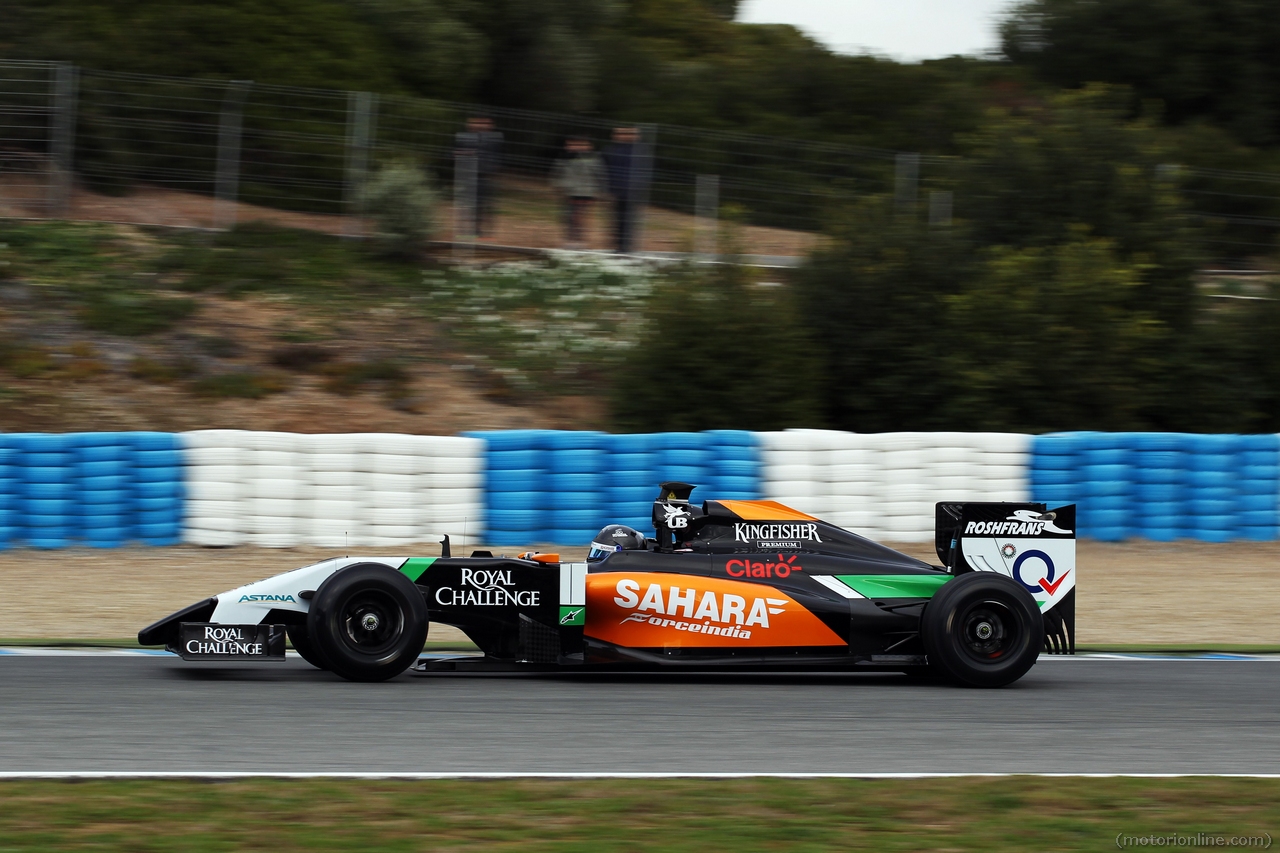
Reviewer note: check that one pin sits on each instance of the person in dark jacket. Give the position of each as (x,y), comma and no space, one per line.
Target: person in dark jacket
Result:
(484,143)
(623,166)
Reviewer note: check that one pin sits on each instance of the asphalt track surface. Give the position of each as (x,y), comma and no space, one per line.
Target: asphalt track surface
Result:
(121,713)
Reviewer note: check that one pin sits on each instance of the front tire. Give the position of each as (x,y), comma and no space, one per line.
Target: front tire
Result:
(301,641)
(983,630)
(368,622)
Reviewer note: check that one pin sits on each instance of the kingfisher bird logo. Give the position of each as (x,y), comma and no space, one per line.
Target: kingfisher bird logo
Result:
(675,517)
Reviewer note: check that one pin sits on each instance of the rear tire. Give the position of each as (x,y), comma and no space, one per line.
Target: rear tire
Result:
(302,644)
(368,622)
(983,630)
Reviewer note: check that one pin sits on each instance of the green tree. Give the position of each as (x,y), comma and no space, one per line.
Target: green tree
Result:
(876,304)
(718,351)
(1053,337)
(1035,176)
(1063,297)
(1210,59)
(287,42)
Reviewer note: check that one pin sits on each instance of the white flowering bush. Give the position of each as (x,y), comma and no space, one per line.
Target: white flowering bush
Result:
(557,325)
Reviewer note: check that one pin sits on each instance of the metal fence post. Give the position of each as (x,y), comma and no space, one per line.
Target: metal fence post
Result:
(707,212)
(66,87)
(227,180)
(906,180)
(641,180)
(940,208)
(360,131)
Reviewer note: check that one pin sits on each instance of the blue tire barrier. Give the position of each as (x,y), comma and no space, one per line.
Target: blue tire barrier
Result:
(566,500)
(561,483)
(633,443)
(523,480)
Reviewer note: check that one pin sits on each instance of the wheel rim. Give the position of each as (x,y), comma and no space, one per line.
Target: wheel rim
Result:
(989,631)
(371,622)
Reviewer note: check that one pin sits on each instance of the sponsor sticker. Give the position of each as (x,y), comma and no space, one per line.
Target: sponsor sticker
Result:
(1023,522)
(1044,582)
(487,588)
(651,610)
(747,567)
(765,533)
(573,615)
(675,517)
(204,641)
(267,598)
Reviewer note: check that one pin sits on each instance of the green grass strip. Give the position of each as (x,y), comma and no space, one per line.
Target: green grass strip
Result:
(1182,648)
(987,814)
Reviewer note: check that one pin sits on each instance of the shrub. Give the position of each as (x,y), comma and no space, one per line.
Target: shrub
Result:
(163,372)
(300,357)
(129,313)
(718,351)
(24,361)
(218,346)
(402,203)
(241,384)
(346,378)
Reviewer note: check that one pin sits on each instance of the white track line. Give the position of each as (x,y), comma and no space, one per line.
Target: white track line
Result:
(251,774)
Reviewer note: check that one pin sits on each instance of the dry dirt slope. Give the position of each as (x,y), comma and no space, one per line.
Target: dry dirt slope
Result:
(1192,594)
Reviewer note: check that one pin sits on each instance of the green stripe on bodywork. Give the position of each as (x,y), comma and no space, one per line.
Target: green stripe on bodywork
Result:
(894,586)
(415,566)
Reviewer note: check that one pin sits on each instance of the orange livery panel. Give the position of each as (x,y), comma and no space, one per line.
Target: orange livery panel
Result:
(648,610)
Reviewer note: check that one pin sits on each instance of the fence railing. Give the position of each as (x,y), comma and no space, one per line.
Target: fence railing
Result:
(90,144)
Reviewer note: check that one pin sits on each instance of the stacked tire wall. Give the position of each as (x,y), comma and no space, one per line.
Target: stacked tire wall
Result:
(1162,486)
(279,490)
(885,485)
(512,488)
(98,489)
(552,486)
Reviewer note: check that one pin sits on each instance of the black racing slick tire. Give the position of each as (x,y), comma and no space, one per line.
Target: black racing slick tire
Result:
(301,641)
(368,622)
(982,630)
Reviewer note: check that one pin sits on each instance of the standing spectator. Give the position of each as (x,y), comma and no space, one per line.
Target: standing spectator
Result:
(579,177)
(622,159)
(483,143)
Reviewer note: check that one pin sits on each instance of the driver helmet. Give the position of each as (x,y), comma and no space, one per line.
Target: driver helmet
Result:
(615,537)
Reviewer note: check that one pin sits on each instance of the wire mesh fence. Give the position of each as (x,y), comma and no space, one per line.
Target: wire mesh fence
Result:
(27,109)
(1239,211)
(174,151)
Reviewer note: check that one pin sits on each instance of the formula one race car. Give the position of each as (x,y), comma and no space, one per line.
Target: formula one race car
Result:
(729,583)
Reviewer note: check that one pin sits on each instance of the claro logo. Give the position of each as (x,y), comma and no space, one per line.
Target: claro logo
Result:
(720,614)
(746,568)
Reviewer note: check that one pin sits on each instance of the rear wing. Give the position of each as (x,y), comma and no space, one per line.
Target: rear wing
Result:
(1027,542)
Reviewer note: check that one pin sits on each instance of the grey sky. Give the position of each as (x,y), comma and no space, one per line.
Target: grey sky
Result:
(907,30)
